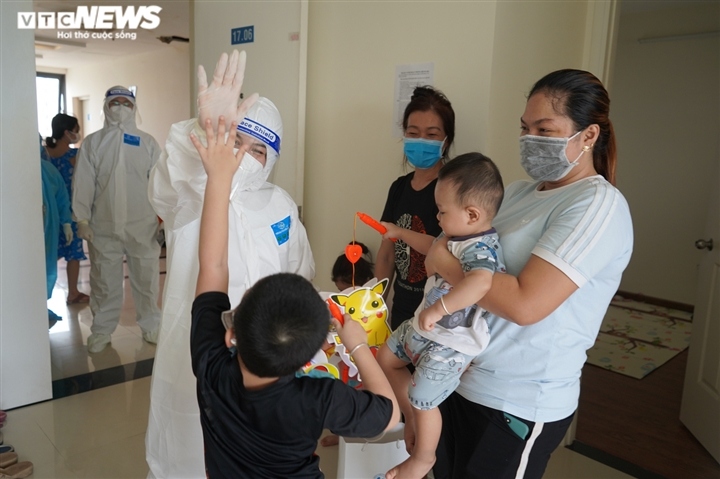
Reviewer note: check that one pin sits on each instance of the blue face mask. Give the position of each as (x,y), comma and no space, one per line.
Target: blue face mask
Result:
(422,153)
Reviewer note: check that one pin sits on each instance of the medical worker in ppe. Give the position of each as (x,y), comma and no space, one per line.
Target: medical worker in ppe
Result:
(265,237)
(56,211)
(114,215)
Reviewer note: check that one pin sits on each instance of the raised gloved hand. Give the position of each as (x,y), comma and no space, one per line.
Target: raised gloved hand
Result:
(67,229)
(84,231)
(223,95)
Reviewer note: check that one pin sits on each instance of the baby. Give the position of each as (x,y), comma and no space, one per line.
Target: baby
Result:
(448,329)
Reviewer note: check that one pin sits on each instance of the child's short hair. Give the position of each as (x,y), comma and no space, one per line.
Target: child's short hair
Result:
(477,181)
(280,324)
(342,270)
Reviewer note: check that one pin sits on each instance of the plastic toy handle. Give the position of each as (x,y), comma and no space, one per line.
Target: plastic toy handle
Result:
(335,311)
(374,224)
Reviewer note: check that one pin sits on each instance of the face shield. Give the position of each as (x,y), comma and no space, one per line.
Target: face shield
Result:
(261,129)
(120,107)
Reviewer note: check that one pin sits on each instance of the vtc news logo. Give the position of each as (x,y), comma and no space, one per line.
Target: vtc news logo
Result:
(91,18)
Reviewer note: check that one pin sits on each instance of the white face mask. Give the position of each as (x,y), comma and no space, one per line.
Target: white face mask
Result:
(544,158)
(73,137)
(121,114)
(250,175)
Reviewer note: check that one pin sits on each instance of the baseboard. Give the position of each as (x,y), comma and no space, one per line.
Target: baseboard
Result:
(666,303)
(613,461)
(102,378)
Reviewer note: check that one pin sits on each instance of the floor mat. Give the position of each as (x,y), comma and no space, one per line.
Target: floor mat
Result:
(636,338)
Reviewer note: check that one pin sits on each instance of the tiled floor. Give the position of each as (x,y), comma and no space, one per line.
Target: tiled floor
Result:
(67,338)
(100,434)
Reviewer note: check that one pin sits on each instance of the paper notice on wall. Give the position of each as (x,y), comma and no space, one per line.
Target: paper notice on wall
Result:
(407,77)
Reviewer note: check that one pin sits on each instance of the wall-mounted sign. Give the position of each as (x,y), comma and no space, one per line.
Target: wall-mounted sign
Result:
(242,35)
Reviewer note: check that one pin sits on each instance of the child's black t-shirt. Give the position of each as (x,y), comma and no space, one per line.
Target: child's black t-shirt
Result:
(273,432)
(416,211)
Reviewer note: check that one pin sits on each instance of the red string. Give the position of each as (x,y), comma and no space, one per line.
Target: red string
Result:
(352,281)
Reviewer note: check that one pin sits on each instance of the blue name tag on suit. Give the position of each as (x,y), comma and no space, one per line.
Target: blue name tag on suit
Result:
(129,139)
(282,231)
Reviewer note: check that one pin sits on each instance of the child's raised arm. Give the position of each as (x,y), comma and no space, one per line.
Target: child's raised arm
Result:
(220,163)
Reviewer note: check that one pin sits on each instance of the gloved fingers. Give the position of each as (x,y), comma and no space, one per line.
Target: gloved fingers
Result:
(220,68)
(246,104)
(67,230)
(222,95)
(202,80)
(85,232)
(233,68)
(239,75)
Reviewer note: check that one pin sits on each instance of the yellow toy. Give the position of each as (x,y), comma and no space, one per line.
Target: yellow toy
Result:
(367,306)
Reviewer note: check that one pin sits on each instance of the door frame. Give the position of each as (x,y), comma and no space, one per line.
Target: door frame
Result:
(601,29)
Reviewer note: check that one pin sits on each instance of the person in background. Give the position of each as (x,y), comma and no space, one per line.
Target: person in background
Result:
(56,212)
(345,274)
(410,212)
(66,132)
(114,216)
(567,237)
(265,237)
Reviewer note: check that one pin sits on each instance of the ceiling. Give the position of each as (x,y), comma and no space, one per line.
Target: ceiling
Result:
(174,21)
(50,51)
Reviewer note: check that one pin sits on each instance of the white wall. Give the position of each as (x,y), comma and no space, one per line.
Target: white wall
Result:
(531,39)
(24,343)
(487,56)
(162,80)
(666,112)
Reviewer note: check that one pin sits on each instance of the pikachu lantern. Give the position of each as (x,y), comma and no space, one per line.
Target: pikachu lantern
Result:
(367,306)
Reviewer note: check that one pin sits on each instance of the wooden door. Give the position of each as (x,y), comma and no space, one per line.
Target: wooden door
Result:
(700,410)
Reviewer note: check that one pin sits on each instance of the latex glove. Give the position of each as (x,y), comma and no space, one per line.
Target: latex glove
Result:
(84,231)
(67,229)
(223,95)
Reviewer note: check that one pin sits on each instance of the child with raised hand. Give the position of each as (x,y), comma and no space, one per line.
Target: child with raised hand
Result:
(258,419)
(448,330)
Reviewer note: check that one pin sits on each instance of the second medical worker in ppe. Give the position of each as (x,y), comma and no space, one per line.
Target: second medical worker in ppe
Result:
(265,237)
(114,215)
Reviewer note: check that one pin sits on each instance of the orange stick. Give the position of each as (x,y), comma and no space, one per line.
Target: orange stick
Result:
(374,224)
(335,311)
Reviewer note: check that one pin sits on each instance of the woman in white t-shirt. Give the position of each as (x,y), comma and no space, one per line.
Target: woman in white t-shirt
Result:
(567,237)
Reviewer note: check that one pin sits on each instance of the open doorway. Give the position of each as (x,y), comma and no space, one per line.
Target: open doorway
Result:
(666,113)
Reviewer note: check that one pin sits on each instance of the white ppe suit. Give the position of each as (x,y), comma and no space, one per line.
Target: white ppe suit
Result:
(110,193)
(265,237)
